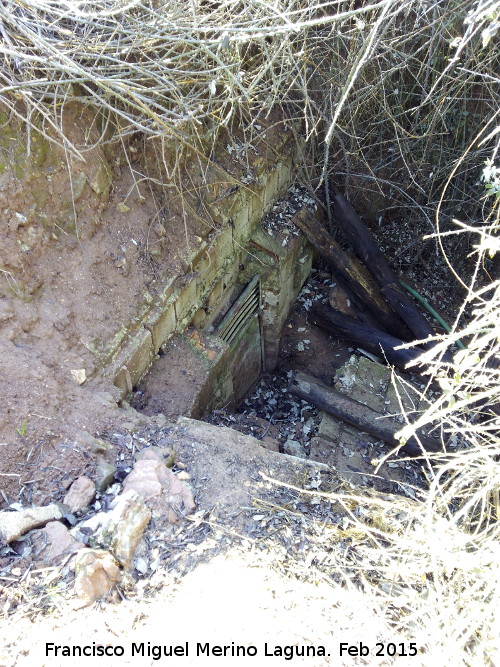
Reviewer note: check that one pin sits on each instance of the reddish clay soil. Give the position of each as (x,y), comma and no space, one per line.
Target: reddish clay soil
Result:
(69,280)
(85,243)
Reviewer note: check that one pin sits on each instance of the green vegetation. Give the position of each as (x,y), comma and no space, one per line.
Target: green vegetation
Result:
(22,429)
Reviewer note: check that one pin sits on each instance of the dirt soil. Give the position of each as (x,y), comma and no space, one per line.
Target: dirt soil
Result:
(172,385)
(254,566)
(72,275)
(85,246)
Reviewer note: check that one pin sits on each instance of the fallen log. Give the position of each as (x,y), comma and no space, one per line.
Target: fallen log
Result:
(398,300)
(369,338)
(351,273)
(370,254)
(356,414)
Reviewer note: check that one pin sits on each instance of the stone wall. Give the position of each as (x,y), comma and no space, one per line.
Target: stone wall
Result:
(95,281)
(217,271)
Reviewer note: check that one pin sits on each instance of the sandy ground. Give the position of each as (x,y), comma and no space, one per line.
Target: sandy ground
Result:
(236,599)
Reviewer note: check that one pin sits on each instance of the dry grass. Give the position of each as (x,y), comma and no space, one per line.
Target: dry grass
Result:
(398,101)
(399,105)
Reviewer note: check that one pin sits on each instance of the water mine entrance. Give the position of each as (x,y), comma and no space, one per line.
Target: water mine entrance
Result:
(230,365)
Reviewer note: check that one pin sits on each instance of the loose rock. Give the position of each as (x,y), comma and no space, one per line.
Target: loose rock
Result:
(100,178)
(104,475)
(154,481)
(80,494)
(15,524)
(59,543)
(294,448)
(162,454)
(95,445)
(96,573)
(120,530)
(147,478)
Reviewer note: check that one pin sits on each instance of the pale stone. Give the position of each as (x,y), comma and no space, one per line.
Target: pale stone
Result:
(155,482)
(59,543)
(78,182)
(79,375)
(294,448)
(146,478)
(121,530)
(94,444)
(100,178)
(96,573)
(130,516)
(81,493)
(161,454)
(329,428)
(90,526)
(104,475)
(15,524)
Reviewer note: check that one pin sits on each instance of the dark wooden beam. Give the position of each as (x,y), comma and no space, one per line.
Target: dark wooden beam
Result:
(369,338)
(370,254)
(359,415)
(353,276)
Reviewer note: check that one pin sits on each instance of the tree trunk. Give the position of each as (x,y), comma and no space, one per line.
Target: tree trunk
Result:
(369,338)
(356,414)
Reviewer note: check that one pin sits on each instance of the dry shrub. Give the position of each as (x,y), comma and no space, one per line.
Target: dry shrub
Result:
(398,102)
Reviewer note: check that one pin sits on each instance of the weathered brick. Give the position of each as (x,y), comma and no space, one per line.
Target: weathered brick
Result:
(162,324)
(133,360)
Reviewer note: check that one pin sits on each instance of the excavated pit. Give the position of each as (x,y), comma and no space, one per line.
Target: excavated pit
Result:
(197,297)
(192,376)
(235,333)
(232,363)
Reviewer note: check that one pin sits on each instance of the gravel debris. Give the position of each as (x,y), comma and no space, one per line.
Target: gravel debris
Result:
(278,222)
(271,411)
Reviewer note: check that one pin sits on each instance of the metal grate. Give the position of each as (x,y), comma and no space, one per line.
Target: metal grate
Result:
(246,306)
